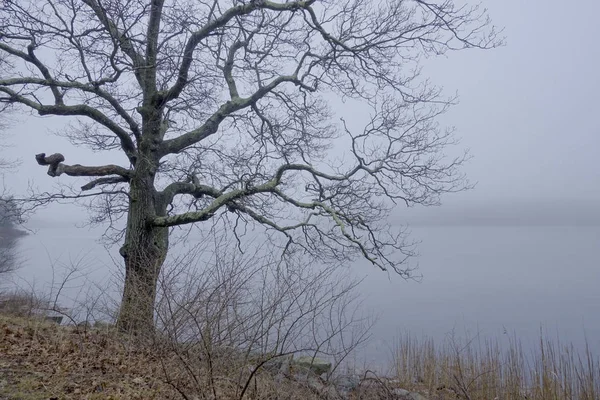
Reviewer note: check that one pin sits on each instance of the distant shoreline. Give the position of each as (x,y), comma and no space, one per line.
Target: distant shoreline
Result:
(517,213)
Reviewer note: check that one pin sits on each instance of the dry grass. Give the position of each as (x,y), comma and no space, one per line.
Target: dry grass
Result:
(475,370)
(41,360)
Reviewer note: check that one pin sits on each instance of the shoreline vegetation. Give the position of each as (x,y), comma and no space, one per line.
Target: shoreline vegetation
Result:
(42,360)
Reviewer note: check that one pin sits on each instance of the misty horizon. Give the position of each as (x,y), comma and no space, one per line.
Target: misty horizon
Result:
(531,212)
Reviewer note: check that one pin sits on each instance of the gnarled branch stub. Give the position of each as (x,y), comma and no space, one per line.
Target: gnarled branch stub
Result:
(53,162)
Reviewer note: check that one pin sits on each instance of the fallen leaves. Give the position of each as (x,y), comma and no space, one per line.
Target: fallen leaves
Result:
(39,360)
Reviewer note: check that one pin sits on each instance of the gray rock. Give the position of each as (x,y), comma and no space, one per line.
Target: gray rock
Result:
(346,384)
(318,385)
(84,325)
(401,392)
(404,394)
(280,367)
(54,318)
(103,325)
(316,365)
(417,396)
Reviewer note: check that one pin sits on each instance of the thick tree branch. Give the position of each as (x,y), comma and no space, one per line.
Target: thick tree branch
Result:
(221,199)
(192,188)
(228,68)
(31,58)
(78,110)
(152,46)
(89,88)
(211,126)
(229,200)
(226,198)
(57,168)
(104,181)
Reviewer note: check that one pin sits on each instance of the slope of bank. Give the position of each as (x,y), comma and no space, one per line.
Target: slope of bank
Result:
(40,360)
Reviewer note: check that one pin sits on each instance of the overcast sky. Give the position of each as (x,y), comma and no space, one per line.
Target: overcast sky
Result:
(528,111)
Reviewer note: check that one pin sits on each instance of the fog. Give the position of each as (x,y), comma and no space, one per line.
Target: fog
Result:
(517,252)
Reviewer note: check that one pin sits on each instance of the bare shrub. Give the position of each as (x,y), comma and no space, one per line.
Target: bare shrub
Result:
(22,303)
(239,322)
(69,296)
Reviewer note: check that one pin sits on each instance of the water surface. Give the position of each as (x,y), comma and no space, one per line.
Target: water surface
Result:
(487,279)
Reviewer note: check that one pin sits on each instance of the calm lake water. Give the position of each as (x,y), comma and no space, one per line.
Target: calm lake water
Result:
(485,279)
(493,280)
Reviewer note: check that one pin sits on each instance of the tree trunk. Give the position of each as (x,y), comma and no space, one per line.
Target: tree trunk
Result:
(144,252)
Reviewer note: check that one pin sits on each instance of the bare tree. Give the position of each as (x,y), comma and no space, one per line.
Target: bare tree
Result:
(220,109)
